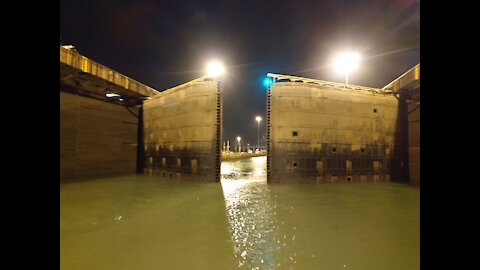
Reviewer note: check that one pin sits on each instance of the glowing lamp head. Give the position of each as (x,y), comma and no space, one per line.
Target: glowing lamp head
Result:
(267,82)
(112,95)
(258,118)
(346,62)
(238,139)
(215,68)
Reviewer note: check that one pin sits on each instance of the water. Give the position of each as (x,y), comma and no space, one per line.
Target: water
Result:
(140,222)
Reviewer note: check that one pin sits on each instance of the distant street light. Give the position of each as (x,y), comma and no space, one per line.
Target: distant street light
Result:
(238,140)
(346,63)
(258,118)
(215,68)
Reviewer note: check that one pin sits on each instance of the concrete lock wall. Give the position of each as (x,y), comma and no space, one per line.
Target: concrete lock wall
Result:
(182,132)
(327,134)
(414,142)
(97,138)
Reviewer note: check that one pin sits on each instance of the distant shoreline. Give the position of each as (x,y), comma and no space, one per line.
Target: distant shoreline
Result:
(242,155)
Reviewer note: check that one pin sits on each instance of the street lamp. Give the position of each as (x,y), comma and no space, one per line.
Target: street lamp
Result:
(346,63)
(258,118)
(238,140)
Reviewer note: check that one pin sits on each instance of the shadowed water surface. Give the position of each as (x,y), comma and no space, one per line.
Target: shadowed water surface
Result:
(140,222)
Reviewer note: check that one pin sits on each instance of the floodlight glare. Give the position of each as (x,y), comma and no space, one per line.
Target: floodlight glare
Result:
(346,62)
(215,68)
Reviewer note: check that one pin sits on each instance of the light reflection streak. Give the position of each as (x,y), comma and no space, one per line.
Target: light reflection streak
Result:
(252,216)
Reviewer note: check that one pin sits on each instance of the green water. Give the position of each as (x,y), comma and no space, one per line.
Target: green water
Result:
(140,222)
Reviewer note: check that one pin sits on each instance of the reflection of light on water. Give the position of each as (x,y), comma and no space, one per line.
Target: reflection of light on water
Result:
(252,214)
(259,165)
(227,168)
(252,223)
(259,160)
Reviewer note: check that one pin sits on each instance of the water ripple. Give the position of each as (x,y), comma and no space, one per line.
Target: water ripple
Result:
(258,243)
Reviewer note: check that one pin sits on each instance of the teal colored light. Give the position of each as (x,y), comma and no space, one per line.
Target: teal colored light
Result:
(267,82)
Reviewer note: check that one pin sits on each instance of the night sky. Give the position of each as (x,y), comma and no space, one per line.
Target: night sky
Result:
(166,43)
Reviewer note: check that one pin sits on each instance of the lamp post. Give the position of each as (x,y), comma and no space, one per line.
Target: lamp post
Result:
(258,118)
(238,140)
(346,63)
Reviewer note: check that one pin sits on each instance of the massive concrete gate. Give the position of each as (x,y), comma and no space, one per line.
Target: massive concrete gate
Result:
(182,132)
(320,131)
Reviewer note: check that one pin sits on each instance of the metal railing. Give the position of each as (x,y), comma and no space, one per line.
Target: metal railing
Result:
(411,75)
(291,78)
(78,61)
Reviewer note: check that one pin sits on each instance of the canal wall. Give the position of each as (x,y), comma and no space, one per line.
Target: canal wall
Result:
(321,133)
(182,132)
(407,88)
(97,138)
(414,142)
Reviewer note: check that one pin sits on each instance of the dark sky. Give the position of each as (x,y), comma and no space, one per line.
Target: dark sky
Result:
(166,43)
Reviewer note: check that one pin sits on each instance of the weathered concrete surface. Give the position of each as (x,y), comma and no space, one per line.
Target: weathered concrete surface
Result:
(97,138)
(182,132)
(320,133)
